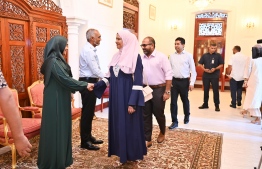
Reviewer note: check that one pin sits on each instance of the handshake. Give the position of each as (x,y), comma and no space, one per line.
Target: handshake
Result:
(90,86)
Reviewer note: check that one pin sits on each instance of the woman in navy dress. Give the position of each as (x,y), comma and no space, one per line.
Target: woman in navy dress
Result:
(126,129)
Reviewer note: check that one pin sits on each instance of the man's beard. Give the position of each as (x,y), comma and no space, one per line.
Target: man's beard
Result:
(146,52)
(96,44)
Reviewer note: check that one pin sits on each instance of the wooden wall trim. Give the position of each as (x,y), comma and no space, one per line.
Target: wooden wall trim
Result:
(129,6)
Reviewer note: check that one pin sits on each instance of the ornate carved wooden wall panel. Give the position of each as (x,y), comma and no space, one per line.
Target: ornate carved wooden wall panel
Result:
(16,55)
(132,2)
(129,19)
(130,15)
(25,27)
(42,33)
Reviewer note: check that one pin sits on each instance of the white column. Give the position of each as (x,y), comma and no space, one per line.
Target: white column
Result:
(73,48)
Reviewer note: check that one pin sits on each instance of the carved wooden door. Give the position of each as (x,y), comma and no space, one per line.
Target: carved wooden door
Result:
(15,55)
(43,33)
(209,27)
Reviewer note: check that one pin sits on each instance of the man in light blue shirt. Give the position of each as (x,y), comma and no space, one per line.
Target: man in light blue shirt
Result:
(184,71)
(89,72)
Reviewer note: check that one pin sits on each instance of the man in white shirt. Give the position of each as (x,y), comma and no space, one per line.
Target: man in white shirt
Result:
(184,71)
(89,72)
(236,68)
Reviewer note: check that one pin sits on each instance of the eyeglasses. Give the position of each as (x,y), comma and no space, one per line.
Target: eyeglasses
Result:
(144,45)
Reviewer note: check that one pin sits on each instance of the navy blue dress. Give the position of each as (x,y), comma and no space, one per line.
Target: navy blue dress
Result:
(126,131)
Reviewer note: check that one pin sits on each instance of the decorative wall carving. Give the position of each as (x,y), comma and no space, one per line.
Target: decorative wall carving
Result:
(32,51)
(54,32)
(8,9)
(16,32)
(212,15)
(129,20)
(41,34)
(45,4)
(65,33)
(211,29)
(132,2)
(39,60)
(32,24)
(17,67)
(41,20)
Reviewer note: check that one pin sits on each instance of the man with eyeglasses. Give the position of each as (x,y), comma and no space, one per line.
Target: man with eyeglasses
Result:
(158,75)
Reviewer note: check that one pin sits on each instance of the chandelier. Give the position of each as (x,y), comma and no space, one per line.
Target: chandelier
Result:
(201,4)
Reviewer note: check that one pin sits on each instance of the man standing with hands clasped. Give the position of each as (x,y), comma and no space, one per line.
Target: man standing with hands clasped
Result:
(211,63)
(182,64)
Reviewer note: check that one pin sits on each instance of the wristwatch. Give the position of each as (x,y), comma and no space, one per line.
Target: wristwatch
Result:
(167,92)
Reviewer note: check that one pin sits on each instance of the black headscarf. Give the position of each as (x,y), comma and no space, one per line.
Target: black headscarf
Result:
(54,52)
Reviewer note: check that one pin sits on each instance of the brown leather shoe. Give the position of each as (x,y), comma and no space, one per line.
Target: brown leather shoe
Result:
(148,144)
(160,138)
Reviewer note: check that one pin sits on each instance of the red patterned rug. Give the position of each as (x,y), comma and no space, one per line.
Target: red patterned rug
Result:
(182,149)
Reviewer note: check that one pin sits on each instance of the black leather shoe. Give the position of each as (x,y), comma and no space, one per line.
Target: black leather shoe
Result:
(173,125)
(233,106)
(217,108)
(95,141)
(186,119)
(89,146)
(239,104)
(203,107)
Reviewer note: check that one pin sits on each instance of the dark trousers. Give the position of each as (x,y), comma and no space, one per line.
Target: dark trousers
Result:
(215,84)
(88,109)
(236,91)
(156,107)
(179,87)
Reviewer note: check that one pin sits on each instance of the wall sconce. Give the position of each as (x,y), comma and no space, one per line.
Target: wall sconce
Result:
(250,25)
(174,27)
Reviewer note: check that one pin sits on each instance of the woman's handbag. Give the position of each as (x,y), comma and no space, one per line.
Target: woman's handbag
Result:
(147,91)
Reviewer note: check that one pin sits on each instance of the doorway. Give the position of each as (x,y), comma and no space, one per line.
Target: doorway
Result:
(209,26)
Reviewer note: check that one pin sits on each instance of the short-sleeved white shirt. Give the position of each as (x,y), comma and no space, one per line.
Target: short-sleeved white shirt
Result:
(238,63)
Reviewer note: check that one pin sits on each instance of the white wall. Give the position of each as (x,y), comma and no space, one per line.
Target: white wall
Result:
(109,20)
(105,19)
(183,13)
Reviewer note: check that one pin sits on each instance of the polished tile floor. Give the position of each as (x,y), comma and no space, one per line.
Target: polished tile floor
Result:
(241,139)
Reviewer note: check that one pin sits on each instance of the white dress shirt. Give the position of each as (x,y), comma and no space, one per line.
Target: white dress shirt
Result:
(89,63)
(238,62)
(182,65)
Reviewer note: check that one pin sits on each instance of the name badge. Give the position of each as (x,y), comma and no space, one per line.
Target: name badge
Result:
(212,62)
